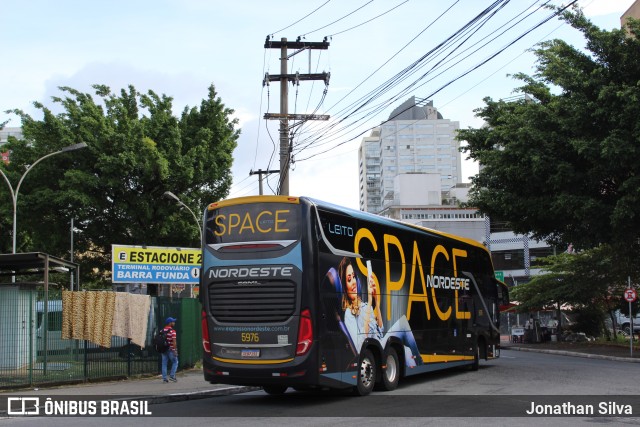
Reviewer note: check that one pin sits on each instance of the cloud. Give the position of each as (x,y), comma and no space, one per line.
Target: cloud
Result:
(186,89)
(244,115)
(595,8)
(332,178)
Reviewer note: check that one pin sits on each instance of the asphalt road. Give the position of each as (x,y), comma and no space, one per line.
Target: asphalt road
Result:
(499,393)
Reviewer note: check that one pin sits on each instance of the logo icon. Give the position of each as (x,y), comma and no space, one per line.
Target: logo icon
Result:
(24,406)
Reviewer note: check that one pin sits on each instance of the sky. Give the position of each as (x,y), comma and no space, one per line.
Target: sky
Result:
(381,53)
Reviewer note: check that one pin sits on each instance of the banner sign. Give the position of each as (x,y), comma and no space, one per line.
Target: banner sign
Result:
(153,264)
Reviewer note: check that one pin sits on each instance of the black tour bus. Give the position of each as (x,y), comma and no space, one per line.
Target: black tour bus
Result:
(301,293)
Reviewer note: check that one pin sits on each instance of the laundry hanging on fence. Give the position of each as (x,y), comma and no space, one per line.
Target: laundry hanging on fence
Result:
(88,315)
(67,309)
(139,306)
(131,317)
(120,326)
(99,317)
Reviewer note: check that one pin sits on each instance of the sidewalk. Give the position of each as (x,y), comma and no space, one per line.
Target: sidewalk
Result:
(586,349)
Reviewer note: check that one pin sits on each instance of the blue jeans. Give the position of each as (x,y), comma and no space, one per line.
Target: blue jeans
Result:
(173,357)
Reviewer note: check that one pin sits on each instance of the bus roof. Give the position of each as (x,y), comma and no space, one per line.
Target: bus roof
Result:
(353,212)
(390,221)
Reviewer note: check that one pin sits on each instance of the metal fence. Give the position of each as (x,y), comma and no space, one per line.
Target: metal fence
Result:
(32,351)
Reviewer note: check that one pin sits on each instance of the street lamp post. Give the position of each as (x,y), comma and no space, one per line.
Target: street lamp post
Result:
(170,195)
(14,194)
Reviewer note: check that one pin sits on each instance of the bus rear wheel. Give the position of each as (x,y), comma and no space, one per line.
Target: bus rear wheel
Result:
(391,370)
(366,376)
(274,389)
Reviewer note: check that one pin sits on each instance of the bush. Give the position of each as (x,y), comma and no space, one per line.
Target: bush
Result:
(588,320)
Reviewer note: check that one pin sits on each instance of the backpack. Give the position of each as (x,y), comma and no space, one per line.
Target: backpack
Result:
(160,342)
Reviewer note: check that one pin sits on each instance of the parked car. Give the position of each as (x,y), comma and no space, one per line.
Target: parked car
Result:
(624,323)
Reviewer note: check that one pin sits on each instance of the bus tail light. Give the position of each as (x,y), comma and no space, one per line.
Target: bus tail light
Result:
(205,333)
(305,333)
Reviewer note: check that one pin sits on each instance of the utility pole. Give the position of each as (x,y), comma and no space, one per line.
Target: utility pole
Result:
(260,172)
(284,116)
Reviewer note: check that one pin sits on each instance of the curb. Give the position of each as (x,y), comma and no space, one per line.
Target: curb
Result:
(194,395)
(573,354)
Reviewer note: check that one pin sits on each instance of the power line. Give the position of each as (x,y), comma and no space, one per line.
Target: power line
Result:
(384,64)
(397,96)
(283,116)
(478,65)
(337,20)
(372,19)
(367,99)
(301,19)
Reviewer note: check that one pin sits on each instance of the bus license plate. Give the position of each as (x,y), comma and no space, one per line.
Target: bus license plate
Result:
(250,354)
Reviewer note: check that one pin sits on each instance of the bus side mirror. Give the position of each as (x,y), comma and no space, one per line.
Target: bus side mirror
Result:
(503,294)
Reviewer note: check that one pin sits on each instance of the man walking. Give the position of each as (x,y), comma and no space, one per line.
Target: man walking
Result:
(172,353)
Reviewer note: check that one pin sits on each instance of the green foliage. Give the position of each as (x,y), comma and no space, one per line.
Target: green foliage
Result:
(561,164)
(589,282)
(137,150)
(589,320)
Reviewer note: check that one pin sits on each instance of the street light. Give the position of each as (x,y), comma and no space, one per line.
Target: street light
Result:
(170,195)
(14,194)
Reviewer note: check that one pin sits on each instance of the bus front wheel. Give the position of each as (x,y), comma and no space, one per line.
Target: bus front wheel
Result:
(366,376)
(391,370)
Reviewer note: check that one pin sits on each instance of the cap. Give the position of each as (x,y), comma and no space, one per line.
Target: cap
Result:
(169,320)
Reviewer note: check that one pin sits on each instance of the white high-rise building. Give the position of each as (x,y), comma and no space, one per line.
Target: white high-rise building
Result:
(415,140)
(6,132)
(369,167)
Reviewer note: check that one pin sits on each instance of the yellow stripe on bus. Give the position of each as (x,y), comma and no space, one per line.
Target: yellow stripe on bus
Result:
(252,361)
(253,199)
(438,358)
(467,240)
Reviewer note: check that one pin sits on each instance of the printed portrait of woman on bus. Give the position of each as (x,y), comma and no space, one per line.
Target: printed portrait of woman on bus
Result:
(362,318)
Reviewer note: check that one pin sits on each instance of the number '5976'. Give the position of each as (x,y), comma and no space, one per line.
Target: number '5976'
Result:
(250,337)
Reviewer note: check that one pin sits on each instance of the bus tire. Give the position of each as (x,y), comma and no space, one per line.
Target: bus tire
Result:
(366,375)
(391,370)
(274,390)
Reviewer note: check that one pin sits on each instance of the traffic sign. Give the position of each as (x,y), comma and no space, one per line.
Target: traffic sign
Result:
(630,295)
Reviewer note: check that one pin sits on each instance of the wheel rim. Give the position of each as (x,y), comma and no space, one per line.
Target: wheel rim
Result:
(391,370)
(366,372)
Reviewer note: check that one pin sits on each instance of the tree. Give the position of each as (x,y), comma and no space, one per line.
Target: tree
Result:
(592,280)
(137,150)
(561,164)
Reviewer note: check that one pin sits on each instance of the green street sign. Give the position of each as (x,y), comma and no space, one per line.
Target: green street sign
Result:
(500,275)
